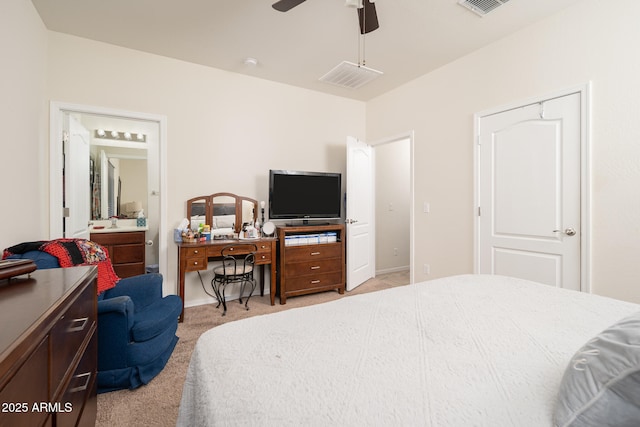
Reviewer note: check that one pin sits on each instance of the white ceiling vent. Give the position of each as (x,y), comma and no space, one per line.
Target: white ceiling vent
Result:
(481,7)
(350,75)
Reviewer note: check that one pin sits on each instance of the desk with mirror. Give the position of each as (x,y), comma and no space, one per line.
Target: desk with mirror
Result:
(226,213)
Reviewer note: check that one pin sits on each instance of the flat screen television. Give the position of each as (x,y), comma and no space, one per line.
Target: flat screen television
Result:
(304,195)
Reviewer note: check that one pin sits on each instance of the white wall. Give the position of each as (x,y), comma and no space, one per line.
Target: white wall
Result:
(225,130)
(587,42)
(23,120)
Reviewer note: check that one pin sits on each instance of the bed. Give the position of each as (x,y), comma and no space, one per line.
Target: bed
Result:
(458,351)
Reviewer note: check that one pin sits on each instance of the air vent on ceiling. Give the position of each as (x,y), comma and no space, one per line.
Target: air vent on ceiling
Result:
(350,75)
(481,7)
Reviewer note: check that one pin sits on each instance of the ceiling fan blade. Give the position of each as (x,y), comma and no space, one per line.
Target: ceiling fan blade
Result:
(285,5)
(368,17)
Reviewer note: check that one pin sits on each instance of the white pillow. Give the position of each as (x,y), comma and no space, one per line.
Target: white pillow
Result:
(601,385)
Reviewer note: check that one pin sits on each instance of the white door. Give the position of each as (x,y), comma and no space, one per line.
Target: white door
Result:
(77,191)
(359,213)
(529,192)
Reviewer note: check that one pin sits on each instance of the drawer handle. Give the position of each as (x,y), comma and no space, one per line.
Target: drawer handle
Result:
(232,248)
(315,267)
(195,262)
(315,253)
(263,257)
(195,252)
(315,281)
(79,324)
(264,246)
(83,387)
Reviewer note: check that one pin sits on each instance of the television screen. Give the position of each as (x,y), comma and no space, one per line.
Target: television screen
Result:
(304,195)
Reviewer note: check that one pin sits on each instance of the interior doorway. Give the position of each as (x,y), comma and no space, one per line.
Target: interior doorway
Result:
(394,205)
(145,187)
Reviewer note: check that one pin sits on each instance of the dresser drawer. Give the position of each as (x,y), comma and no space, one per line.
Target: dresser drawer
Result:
(69,332)
(264,247)
(263,257)
(118,238)
(308,252)
(314,281)
(28,386)
(193,252)
(196,263)
(321,265)
(123,254)
(80,387)
(235,250)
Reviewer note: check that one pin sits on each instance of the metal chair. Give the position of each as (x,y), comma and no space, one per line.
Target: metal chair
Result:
(237,267)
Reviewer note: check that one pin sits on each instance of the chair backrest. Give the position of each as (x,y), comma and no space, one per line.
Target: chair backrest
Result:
(239,258)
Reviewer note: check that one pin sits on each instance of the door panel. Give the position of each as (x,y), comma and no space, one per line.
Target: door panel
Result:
(359,213)
(529,192)
(539,267)
(525,159)
(77,193)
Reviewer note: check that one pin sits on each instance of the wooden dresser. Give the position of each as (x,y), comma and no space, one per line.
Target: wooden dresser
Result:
(48,348)
(126,250)
(310,267)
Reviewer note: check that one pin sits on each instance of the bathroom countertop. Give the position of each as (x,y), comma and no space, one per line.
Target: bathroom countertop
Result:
(123,226)
(118,229)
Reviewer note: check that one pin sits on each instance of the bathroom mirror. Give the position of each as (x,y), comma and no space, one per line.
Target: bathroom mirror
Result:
(119,181)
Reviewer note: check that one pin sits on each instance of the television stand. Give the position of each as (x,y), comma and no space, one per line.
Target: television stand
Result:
(310,223)
(310,258)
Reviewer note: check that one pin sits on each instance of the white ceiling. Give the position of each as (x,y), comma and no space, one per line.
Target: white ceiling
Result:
(300,46)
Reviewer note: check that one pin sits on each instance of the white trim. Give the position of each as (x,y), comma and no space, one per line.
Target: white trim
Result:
(57,109)
(394,270)
(410,135)
(585,170)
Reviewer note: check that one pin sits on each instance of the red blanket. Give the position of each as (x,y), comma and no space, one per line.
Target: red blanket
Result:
(90,253)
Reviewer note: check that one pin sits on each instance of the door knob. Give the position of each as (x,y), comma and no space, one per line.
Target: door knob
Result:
(351,221)
(568,231)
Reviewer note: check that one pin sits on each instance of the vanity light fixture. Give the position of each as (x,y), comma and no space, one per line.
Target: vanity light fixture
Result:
(115,135)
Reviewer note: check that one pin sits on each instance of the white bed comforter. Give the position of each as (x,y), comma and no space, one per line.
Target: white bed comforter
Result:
(460,351)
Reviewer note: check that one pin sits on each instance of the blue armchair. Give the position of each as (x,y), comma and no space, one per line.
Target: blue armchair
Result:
(136,328)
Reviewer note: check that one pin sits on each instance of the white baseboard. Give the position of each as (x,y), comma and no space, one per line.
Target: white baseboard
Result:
(393,270)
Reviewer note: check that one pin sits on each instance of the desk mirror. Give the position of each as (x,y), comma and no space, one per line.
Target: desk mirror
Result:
(224,212)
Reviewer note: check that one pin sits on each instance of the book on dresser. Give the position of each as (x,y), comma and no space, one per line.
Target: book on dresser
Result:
(311,258)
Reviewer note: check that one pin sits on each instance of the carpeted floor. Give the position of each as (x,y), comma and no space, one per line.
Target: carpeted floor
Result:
(157,403)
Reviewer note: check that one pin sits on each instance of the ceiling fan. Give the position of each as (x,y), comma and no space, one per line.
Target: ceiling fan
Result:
(367,15)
